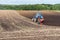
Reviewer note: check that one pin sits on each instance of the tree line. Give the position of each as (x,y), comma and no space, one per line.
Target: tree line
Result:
(31,7)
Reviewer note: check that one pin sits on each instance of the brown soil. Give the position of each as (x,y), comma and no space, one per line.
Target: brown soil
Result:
(13,26)
(52,18)
(11,20)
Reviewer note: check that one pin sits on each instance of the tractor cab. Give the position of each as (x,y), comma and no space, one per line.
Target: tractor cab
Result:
(38,17)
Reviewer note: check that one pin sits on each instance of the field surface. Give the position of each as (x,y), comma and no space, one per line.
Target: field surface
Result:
(17,25)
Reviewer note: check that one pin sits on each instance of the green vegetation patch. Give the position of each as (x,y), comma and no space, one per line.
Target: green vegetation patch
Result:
(31,7)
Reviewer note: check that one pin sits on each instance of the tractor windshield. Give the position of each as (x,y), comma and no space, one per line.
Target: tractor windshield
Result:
(39,14)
